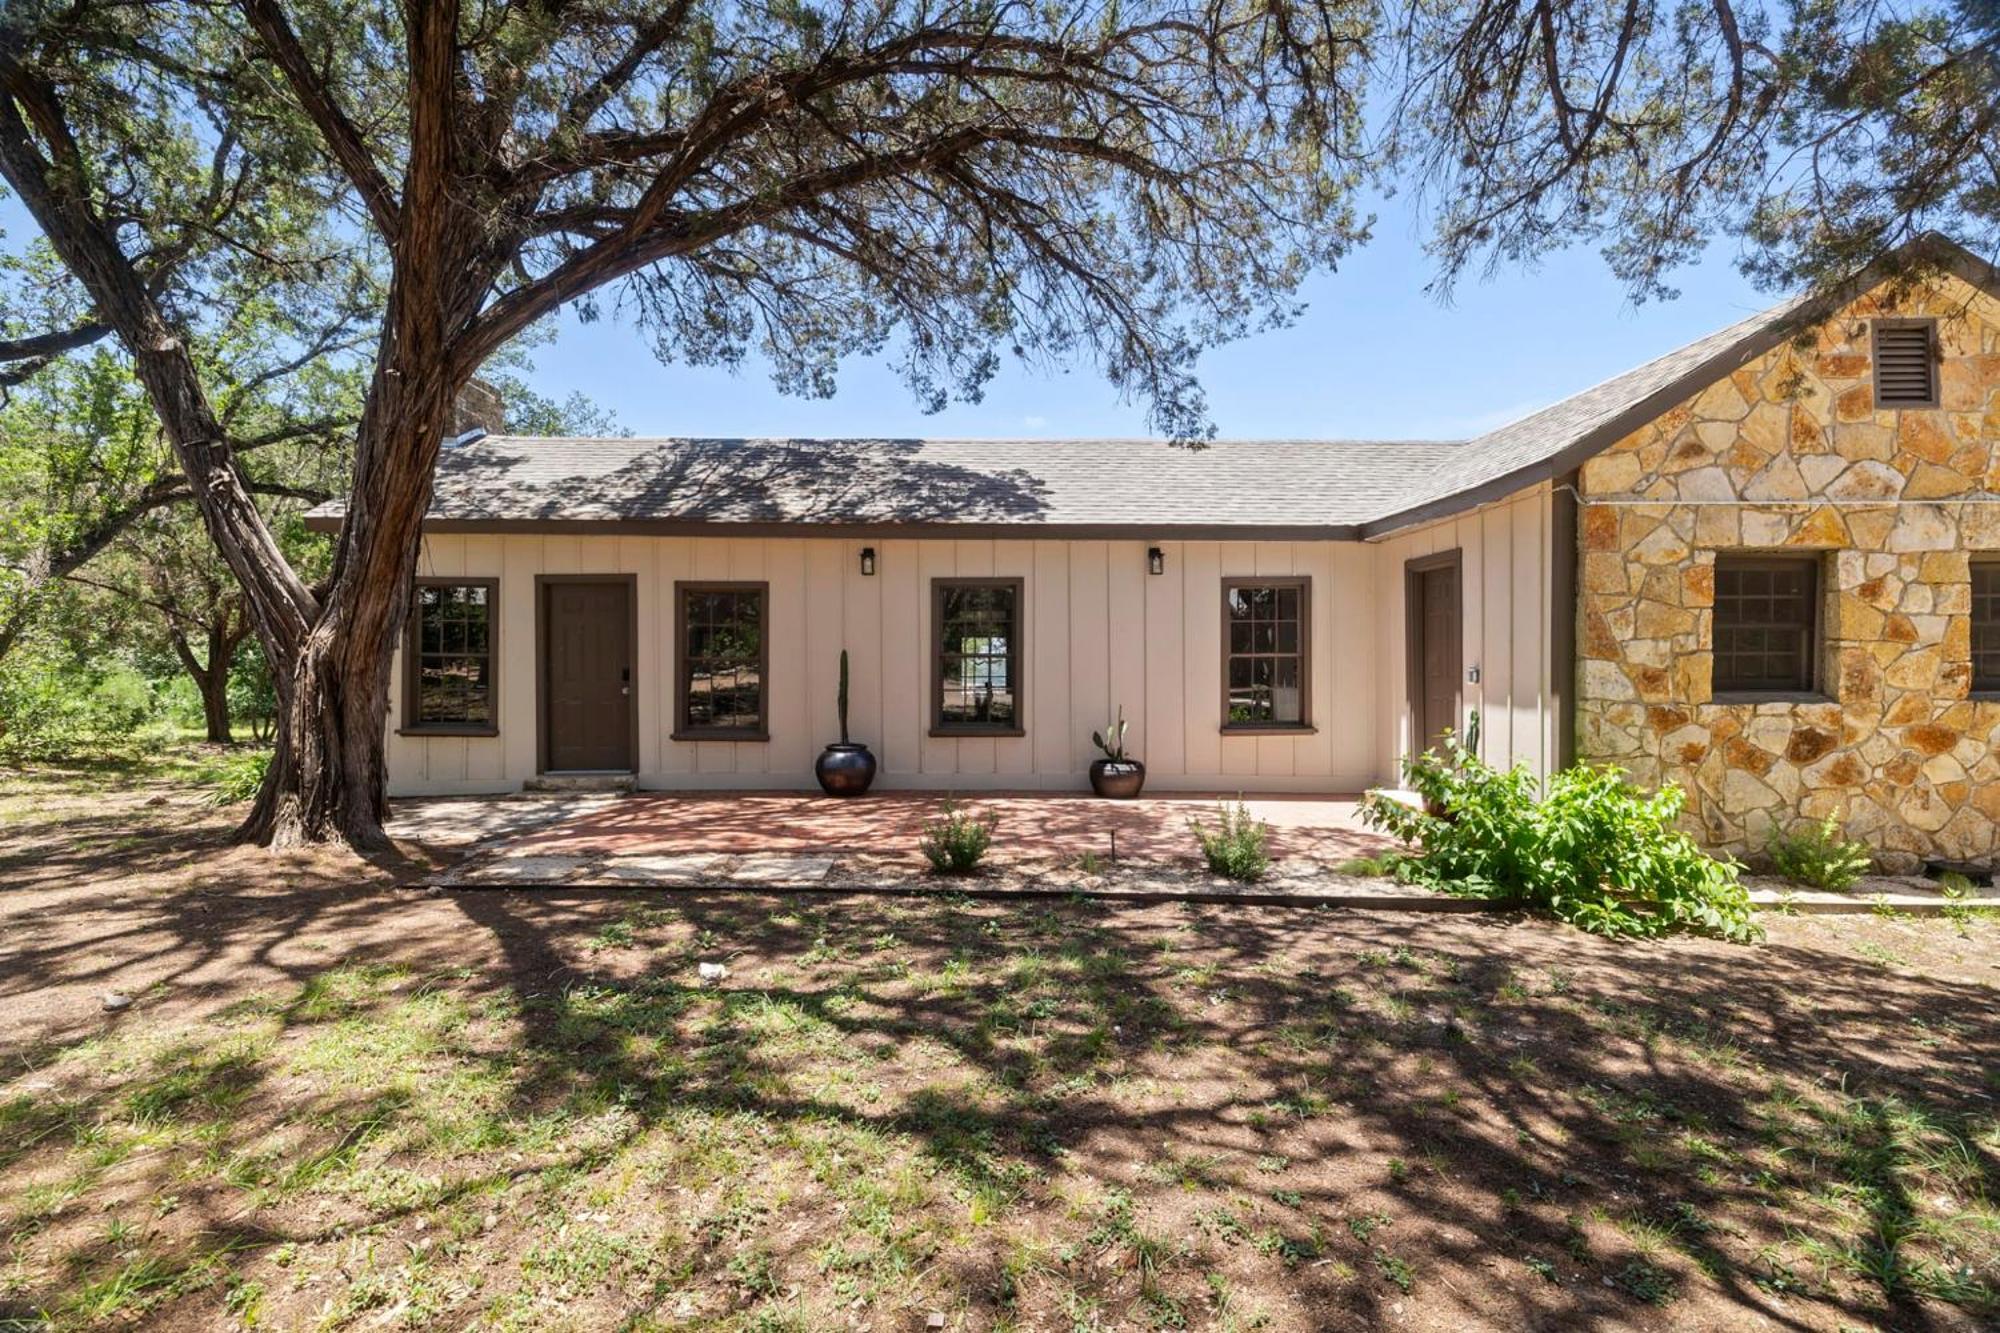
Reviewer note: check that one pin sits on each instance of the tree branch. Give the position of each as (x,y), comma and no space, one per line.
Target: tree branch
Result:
(343,138)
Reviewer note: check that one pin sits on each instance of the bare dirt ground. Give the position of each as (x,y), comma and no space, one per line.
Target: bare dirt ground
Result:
(336,1103)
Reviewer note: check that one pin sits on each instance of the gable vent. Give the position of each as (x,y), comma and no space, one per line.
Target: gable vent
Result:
(1906,364)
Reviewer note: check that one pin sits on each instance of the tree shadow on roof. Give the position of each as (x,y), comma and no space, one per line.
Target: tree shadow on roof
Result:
(732,481)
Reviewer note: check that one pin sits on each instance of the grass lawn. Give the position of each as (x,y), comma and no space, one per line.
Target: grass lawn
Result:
(334,1103)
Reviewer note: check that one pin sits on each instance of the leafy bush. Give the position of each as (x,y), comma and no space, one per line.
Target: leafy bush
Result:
(1593,851)
(240,777)
(1236,847)
(52,707)
(955,841)
(1818,857)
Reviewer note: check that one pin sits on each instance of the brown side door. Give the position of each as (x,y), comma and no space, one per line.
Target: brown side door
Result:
(1436,658)
(587,676)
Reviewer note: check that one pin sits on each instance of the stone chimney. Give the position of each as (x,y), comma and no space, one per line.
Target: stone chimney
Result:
(479,407)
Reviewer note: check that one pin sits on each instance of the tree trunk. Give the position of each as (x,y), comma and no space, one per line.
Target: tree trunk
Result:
(327,776)
(211,680)
(215,688)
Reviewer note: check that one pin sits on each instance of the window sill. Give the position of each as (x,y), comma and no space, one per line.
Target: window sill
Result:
(1269,729)
(448,731)
(1740,697)
(754,736)
(962,733)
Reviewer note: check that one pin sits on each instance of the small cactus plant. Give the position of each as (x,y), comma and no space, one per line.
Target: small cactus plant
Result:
(842,697)
(1112,739)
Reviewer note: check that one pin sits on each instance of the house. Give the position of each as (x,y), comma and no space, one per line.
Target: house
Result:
(1765,566)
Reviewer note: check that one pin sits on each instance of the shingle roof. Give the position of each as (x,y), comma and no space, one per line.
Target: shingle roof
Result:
(1330,488)
(1042,485)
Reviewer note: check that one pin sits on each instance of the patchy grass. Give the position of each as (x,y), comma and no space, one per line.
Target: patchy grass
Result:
(334,1104)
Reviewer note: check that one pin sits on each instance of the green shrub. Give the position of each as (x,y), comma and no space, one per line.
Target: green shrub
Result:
(1818,857)
(955,841)
(1592,851)
(240,778)
(54,707)
(1236,847)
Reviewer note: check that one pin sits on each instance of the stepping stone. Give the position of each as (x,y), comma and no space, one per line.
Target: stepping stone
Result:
(521,870)
(688,868)
(779,868)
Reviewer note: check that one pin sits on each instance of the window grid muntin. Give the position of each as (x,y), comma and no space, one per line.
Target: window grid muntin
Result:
(1986,626)
(977,656)
(1264,652)
(1766,619)
(451,683)
(723,667)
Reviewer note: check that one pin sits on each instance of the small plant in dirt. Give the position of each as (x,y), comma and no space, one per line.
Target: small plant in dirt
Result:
(1396,1271)
(1238,846)
(1818,857)
(956,841)
(240,778)
(1592,851)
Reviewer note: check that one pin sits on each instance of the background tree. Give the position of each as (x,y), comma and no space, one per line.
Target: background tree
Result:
(1823,133)
(1131,184)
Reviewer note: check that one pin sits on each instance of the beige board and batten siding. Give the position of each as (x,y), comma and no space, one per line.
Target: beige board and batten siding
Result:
(1099,631)
(1506,601)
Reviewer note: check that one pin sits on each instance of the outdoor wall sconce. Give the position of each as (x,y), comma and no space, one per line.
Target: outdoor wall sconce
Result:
(868,562)
(1156,560)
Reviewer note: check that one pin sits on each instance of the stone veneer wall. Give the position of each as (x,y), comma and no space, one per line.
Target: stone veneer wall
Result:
(1788,453)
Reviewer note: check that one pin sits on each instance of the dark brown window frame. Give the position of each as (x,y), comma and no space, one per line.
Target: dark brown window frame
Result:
(1814,690)
(1304,726)
(682,731)
(412,624)
(1016,659)
(1990,687)
(1875,328)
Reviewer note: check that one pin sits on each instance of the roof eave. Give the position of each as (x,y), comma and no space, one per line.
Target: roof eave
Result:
(675,527)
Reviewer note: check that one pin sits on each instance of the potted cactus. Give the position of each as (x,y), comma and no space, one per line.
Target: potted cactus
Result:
(1115,776)
(844,768)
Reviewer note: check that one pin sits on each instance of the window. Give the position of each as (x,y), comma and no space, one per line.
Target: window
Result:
(1766,625)
(976,687)
(1986,627)
(1264,636)
(1906,363)
(719,633)
(448,657)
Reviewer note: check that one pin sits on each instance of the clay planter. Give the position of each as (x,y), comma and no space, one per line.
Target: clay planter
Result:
(844,769)
(1117,779)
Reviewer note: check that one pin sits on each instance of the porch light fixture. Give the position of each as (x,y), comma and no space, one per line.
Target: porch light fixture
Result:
(1156,560)
(868,562)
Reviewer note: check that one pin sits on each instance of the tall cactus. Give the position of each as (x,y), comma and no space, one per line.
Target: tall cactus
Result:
(843,696)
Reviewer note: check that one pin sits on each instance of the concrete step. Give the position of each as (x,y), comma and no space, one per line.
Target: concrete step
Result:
(618,782)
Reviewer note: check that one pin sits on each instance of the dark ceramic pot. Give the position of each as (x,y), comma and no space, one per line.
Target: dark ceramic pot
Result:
(844,769)
(1117,779)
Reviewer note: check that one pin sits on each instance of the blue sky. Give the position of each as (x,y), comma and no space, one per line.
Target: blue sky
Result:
(1373,356)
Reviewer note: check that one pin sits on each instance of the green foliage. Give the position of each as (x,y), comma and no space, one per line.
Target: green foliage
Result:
(1593,851)
(956,840)
(1237,847)
(1112,739)
(241,778)
(1818,857)
(55,706)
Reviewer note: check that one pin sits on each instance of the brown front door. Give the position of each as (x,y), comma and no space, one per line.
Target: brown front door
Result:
(1436,661)
(587,675)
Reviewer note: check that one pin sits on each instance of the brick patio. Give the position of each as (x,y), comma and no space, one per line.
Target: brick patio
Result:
(1030,826)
